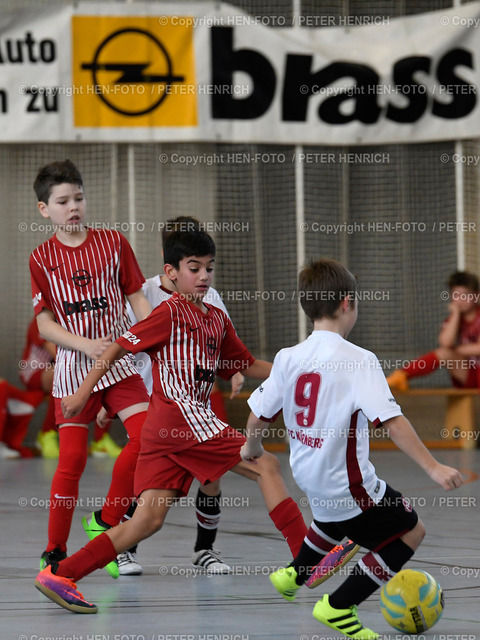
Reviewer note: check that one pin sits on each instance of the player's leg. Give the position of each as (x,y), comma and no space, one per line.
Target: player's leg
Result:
(315,548)
(374,570)
(127,561)
(120,493)
(5,451)
(103,445)
(73,443)
(282,509)
(428,363)
(380,530)
(207,508)
(57,581)
(47,438)
(20,407)
(129,400)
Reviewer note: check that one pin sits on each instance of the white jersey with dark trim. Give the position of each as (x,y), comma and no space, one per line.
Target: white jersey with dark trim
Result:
(156,293)
(85,288)
(327,388)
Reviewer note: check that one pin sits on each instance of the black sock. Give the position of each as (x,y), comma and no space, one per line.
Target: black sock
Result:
(131,510)
(305,560)
(359,586)
(208,517)
(102,523)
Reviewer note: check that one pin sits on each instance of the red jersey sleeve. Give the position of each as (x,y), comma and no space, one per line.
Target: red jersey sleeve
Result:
(234,355)
(131,276)
(149,334)
(40,286)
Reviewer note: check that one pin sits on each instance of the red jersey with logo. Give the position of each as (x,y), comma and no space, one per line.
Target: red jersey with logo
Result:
(85,288)
(35,357)
(188,349)
(469,332)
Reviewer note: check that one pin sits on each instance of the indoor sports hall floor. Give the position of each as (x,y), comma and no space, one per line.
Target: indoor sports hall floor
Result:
(169,603)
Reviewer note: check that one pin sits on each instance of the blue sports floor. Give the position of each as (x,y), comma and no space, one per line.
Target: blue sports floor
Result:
(169,602)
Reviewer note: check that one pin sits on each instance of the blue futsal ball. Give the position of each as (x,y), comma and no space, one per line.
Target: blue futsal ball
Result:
(412,601)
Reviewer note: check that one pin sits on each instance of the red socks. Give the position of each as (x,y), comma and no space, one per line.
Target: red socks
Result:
(95,555)
(288,519)
(16,410)
(423,365)
(120,494)
(64,490)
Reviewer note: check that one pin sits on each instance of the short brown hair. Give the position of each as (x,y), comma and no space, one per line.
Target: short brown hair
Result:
(322,285)
(55,173)
(180,223)
(464,279)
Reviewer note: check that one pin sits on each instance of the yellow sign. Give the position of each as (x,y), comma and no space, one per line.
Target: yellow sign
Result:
(133,71)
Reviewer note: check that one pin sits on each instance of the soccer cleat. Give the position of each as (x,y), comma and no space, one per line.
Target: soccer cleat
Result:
(51,557)
(47,442)
(128,564)
(284,581)
(105,447)
(331,563)
(343,620)
(63,591)
(94,529)
(398,380)
(211,561)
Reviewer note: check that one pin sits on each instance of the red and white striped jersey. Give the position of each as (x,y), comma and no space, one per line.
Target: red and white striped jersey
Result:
(188,349)
(85,288)
(327,388)
(156,294)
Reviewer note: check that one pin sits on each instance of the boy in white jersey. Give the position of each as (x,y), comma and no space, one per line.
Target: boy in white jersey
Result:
(189,342)
(327,388)
(80,279)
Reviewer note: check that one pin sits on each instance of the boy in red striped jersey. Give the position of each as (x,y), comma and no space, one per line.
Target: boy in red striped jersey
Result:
(189,342)
(80,279)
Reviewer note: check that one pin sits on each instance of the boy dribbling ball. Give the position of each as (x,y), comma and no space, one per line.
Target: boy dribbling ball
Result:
(328,388)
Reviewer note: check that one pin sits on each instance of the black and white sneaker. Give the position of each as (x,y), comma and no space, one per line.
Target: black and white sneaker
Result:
(128,564)
(211,561)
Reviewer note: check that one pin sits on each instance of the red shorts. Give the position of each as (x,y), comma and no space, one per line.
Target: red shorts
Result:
(472,381)
(206,461)
(120,395)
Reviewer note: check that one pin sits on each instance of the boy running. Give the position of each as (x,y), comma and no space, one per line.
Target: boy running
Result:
(189,343)
(327,388)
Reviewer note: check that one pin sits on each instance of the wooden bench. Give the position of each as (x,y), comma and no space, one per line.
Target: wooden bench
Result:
(459,426)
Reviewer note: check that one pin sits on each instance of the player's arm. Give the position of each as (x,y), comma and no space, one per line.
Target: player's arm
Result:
(141,307)
(50,330)
(260,369)
(72,405)
(237,381)
(255,432)
(470,349)
(448,335)
(405,437)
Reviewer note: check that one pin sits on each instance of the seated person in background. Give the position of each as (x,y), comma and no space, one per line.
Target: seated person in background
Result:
(16,410)
(458,341)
